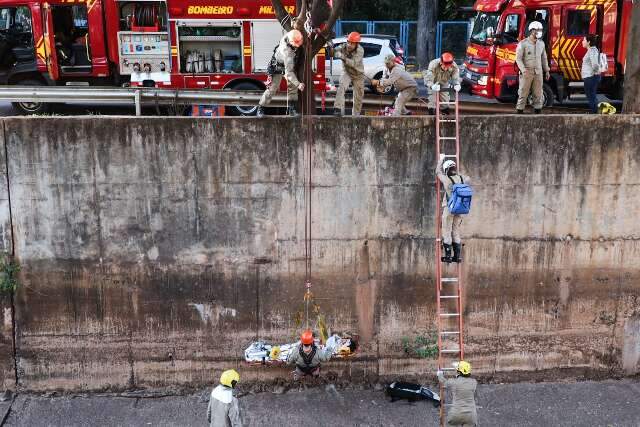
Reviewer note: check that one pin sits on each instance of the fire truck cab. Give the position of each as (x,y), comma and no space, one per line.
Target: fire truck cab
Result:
(490,68)
(196,44)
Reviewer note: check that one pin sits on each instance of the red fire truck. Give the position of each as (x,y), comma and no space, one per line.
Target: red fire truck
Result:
(203,44)
(490,68)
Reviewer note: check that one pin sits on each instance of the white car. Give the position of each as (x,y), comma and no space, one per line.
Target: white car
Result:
(375,50)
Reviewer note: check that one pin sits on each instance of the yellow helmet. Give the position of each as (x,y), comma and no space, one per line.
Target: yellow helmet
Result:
(606,108)
(464,367)
(229,378)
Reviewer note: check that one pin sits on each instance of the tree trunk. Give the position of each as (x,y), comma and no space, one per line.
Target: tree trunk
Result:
(324,15)
(631,103)
(426,42)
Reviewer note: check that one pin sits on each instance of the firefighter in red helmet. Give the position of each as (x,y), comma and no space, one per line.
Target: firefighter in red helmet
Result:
(307,357)
(442,73)
(352,56)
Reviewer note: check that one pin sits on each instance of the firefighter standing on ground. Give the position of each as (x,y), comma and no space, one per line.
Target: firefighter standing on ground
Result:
(224,409)
(283,63)
(307,357)
(462,411)
(447,173)
(404,83)
(442,73)
(352,56)
(531,58)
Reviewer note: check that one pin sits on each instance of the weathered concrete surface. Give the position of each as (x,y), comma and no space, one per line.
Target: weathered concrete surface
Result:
(154,250)
(610,403)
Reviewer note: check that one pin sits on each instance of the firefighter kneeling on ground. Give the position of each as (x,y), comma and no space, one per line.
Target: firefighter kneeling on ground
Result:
(442,73)
(447,173)
(352,56)
(462,411)
(531,58)
(307,357)
(283,63)
(224,409)
(405,84)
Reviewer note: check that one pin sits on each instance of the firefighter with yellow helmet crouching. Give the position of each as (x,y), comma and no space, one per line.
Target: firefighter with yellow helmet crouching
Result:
(462,411)
(224,409)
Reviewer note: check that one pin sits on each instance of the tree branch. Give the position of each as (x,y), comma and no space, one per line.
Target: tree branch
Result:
(327,33)
(282,15)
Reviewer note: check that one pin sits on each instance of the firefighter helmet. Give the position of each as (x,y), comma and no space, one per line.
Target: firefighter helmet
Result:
(464,367)
(448,165)
(295,38)
(229,378)
(446,59)
(307,337)
(354,37)
(535,25)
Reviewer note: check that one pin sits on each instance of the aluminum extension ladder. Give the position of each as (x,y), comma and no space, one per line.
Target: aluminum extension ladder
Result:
(448,276)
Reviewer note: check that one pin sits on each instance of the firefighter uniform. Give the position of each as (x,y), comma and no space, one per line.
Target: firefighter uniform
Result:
(223,409)
(353,73)
(435,74)
(282,65)
(462,411)
(404,83)
(451,223)
(308,363)
(531,58)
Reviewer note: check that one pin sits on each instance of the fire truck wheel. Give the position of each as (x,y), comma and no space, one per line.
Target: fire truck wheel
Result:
(245,110)
(27,108)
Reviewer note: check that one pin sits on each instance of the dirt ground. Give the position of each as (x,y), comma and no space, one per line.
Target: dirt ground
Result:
(606,403)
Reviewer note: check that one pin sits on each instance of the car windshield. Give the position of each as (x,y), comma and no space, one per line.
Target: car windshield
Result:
(485,23)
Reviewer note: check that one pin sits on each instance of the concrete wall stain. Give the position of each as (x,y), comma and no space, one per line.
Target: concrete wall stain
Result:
(154,250)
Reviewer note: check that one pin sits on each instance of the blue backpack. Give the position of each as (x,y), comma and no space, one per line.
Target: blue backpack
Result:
(460,201)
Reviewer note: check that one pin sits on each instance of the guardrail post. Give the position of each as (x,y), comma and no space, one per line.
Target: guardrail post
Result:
(136,98)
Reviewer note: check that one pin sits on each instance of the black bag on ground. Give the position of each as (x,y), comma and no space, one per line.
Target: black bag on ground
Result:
(412,392)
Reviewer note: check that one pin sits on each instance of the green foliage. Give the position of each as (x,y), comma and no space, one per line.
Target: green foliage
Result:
(424,347)
(398,10)
(8,274)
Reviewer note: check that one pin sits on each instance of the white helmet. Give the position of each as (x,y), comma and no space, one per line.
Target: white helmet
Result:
(535,25)
(448,165)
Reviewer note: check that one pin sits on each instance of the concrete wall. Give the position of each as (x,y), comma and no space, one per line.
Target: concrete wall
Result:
(154,250)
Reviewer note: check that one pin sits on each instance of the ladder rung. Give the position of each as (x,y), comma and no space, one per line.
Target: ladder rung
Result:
(447,120)
(450,155)
(447,137)
(447,103)
(450,333)
(449,279)
(448,296)
(449,314)
(451,350)
(448,369)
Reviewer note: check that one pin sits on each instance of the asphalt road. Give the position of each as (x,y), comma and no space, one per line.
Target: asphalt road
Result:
(608,403)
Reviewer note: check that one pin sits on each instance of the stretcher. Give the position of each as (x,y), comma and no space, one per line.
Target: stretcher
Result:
(260,352)
(411,392)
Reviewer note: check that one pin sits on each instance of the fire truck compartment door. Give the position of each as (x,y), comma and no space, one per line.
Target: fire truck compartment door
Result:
(197,82)
(265,36)
(577,21)
(50,43)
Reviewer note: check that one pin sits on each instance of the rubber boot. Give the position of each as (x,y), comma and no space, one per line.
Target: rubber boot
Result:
(520,111)
(457,251)
(293,112)
(260,112)
(447,253)
(537,111)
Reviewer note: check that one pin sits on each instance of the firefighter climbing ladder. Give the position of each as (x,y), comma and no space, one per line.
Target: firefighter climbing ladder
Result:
(448,276)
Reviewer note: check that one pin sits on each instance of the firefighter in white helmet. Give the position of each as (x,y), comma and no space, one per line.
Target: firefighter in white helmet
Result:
(224,409)
(462,411)
(283,63)
(352,55)
(396,76)
(531,58)
(447,173)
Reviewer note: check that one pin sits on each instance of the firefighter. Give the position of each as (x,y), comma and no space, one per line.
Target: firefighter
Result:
(283,64)
(462,411)
(447,173)
(531,58)
(352,56)
(307,356)
(224,409)
(405,84)
(442,72)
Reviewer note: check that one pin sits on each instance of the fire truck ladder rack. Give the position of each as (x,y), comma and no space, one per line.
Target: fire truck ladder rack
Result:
(448,276)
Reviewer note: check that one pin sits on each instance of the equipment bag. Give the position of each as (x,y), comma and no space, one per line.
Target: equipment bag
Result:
(460,201)
(604,64)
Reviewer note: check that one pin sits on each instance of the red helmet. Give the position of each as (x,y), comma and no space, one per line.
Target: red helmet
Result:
(446,59)
(307,337)
(354,37)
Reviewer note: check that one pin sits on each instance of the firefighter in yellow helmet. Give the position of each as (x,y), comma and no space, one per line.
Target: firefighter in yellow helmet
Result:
(462,411)
(224,409)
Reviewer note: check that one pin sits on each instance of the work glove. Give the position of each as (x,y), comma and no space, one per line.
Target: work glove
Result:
(439,373)
(457,88)
(442,157)
(301,87)
(436,87)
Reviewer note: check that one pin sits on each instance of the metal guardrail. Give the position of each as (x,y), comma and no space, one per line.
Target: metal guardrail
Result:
(140,97)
